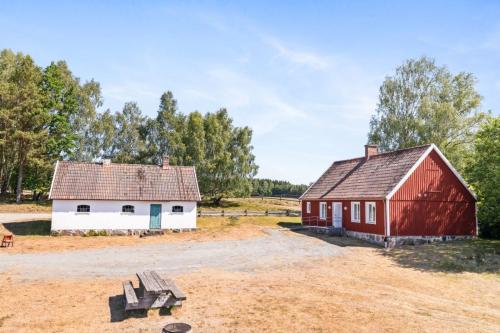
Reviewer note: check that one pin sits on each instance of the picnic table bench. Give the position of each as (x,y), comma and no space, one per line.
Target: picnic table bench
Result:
(153,292)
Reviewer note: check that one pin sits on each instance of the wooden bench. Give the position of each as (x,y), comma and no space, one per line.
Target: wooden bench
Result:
(131,301)
(153,292)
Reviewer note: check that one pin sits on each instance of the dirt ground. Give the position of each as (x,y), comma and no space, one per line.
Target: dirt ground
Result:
(33,236)
(364,289)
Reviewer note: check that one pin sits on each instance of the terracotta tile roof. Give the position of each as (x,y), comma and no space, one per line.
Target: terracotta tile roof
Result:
(97,181)
(358,178)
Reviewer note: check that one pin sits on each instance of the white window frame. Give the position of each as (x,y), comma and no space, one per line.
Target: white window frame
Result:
(368,204)
(321,204)
(176,207)
(82,212)
(353,204)
(308,207)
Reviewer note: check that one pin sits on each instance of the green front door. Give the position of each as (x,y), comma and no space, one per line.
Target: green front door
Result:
(155,216)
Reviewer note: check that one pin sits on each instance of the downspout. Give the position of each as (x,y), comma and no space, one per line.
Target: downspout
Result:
(475,213)
(387,223)
(301,213)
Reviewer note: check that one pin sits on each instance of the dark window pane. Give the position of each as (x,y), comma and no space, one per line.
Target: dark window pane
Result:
(83,208)
(128,209)
(177,209)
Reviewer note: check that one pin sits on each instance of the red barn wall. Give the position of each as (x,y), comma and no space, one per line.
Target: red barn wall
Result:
(432,202)
(362,226)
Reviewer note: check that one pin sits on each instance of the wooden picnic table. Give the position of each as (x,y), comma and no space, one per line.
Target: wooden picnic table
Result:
(153,292)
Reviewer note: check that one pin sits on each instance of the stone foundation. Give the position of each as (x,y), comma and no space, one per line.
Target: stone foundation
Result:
(391,241)
(417,240)
(325,230)
(370,238)
(116,232)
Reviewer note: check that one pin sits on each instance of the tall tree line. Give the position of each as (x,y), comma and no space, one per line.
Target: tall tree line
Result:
(272,187)
(48,114)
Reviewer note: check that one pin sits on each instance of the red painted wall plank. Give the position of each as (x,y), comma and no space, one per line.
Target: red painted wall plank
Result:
(432,202)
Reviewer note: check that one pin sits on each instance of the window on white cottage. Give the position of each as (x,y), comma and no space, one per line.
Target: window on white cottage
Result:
(83,209)
(128,209)
(177,209)
(355,212)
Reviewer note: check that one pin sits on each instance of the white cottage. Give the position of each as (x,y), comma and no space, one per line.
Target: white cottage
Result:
(123,198)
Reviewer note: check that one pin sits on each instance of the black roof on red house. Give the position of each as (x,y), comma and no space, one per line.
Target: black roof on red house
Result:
(371,176)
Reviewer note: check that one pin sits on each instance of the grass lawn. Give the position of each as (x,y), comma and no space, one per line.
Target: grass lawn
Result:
(230,204)
(252,204)
(368,289)
(478,255)
(440,287)
(25,207)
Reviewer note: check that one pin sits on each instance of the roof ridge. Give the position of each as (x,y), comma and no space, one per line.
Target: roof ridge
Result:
(384,153)
(128,164)
(427,145)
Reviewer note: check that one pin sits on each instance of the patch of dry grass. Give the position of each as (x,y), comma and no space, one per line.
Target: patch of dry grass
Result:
(26,207)
(478,255)
(252,204)
(209,228)
(363,291)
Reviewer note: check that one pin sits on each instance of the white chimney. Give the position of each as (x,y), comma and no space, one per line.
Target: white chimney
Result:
(165,162)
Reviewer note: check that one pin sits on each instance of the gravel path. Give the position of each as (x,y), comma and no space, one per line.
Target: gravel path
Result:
(18,217)
(277,248)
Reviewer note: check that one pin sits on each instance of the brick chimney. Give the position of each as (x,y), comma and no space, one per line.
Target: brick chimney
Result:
(370,150)
(165,162)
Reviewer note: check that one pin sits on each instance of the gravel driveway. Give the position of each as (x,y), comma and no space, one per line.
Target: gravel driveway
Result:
(276,249)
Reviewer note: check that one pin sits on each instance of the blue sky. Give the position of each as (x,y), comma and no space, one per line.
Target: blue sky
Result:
(304,75)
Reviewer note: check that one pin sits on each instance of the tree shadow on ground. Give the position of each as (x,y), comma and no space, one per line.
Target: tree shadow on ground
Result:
(223,204)
(117,311)
(478,256)
(29,228)
(290,225)
(341,241)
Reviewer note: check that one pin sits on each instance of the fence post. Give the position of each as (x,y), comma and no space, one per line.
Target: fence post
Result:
(288,212)
(199,213)
(222,213)
(267,212)
(246,212)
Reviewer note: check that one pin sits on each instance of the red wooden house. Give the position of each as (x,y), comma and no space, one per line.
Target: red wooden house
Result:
(404,196)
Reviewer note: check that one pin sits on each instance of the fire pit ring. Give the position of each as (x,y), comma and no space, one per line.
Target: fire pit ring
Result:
(177,328)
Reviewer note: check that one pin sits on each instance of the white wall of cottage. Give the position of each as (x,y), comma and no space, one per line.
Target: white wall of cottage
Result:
(107,215)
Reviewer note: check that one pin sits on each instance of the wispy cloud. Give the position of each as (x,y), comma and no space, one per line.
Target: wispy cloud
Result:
(300,57)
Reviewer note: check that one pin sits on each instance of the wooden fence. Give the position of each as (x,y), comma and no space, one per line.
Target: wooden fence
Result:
(246,212)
